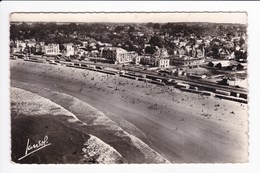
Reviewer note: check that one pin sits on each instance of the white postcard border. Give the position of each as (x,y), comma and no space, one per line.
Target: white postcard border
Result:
(252,8)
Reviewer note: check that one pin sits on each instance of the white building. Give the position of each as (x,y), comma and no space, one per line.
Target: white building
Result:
(20,45)
(51,49)
(118,55)
(68,50)
(84,44)
(137,60)
(155,62)
(162,62)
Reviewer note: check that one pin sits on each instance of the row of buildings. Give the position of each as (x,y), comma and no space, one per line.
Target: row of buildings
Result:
(160,58)
(186,55)
(31,47)
(40,48)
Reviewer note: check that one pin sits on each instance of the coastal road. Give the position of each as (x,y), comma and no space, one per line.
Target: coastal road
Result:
(196,82)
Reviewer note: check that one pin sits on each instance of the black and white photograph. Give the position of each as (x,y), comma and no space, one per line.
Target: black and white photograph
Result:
(129,88)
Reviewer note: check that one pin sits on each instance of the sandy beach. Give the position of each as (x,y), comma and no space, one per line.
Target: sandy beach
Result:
(182,127)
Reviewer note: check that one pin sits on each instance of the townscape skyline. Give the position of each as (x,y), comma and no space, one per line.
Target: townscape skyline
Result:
(135,17)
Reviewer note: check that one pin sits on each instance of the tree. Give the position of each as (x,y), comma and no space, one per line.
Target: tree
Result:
(149,24)
(241,41)
(156,26)
(150,50)
(119,28)
(240,67)
(131,29)
(61,47)
(237,55)
(219,65)
(215,51)
(244,55)
(157,41)
(211,64)
(14,32)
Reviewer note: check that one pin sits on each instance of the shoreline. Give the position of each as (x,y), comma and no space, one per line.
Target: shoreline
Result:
(97,124)
(33,117)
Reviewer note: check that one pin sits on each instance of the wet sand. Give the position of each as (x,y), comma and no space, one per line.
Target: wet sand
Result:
(35,118)
(183,127)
